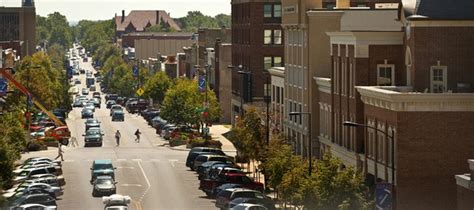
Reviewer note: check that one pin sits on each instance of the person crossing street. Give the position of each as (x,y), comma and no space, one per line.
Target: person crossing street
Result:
(117,137)
(60,152)
(137,134)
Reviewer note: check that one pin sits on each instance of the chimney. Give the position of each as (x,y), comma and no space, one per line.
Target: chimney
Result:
(123,16)
(314,4)
(343,4)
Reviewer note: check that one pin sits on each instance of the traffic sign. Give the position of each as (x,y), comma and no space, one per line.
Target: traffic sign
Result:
(383,195)
(3,86)
(202,83)
(140,91)
(136,71)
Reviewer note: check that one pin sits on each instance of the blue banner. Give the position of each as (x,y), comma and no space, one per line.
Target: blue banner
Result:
(3,86)
(383,195)
(136,71)
(202,83)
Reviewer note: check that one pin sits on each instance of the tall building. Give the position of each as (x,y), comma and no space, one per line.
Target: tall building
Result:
(18,24)
(257,45)
(305,23)
(403,75)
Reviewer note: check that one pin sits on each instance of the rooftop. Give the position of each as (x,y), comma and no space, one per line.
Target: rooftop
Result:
(140,19)
(438,9)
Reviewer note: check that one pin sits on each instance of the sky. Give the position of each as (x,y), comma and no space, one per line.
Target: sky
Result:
(76,10)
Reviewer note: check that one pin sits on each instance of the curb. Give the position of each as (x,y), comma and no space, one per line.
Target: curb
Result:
(179,149)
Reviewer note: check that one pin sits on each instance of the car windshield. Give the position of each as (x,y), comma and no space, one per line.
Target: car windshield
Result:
(248,194)
(24,173)
(102,166)
(92,132)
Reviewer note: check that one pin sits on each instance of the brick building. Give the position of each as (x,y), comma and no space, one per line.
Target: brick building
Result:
(257,45)
(223,88)
(128,40)
(18,24)
(405,75)
(139,20)
(465,188)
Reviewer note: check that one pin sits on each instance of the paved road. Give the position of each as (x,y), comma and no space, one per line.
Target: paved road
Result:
(153,175)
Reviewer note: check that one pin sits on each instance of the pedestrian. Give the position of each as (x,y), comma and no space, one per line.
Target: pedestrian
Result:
(137,134)
(117,137)
(60,152)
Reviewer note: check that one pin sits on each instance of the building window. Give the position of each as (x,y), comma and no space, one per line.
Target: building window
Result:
(267,62)
(272,36)
(277,61)
(385,75)
(277,10)
(267,10)
(267,37)
(438,79)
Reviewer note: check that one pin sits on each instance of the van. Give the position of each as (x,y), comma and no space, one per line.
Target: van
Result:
(102,168)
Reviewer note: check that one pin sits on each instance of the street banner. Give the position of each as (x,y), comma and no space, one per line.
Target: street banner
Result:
(3,87)
(383,195)
(202,83)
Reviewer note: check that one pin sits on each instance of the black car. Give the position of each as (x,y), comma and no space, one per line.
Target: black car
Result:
(111,97)
(93,137)
(196,151)
(87,113)
(109,104)
(104,186)
(96,102)
(43,199)
(78,103)
(90,123)
(118,115)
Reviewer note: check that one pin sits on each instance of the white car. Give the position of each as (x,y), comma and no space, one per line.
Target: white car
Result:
(116,202)
(35,159)
(34,207)
(39,165)
(56,190)
(248,206)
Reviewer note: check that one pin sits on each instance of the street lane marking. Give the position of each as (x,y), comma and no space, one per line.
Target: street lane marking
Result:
(147,182)
(137,160)
(125,167)
(131,185)
(172,162)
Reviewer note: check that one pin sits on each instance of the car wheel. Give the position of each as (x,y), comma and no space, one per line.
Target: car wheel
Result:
(94,194)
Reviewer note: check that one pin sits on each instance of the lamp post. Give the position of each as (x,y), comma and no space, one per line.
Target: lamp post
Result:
(392,137)
(206,101)
(241,72)
(310,144)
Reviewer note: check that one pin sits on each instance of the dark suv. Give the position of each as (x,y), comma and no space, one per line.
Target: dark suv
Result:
(196,151)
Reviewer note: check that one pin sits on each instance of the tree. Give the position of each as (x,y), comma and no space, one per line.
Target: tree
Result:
(183,104)
(293,182)
(157,86)
(53,29)
(223,20)
(195,20)
(248,136)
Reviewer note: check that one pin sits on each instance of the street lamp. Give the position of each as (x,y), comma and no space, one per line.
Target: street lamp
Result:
(392,137)
(241,72)
(310,144)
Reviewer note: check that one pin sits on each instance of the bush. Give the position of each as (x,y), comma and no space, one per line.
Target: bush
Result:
(201,142)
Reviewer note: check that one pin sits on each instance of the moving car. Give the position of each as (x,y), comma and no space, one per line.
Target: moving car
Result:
(78,103)
(104,185)
(111,97)
(115,108)
(90,105)
(85,91)
(118,115)
(116,202)
(87,113)
(109,104)
(90,123)
(93,137)
(92,88)
(102,168)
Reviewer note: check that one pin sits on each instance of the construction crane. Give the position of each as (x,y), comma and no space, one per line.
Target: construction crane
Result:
(25,91)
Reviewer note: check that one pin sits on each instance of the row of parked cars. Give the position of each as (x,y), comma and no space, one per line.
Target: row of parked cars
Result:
(38,183)
(222,179)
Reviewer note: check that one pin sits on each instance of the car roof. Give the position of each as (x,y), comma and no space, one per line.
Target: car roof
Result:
(103,161)
(240,190)
(104,177)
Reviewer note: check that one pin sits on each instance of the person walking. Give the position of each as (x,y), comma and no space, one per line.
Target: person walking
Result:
(60,152)
(137,134)
(117,137)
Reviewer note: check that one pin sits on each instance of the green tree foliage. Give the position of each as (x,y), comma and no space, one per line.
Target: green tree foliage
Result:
(248,136)
(12,141)
(105,52)
(195,20)
(94,34)
(53,29)
(122,81)
(156,86)
(44,81)
(183,101)
(291,188)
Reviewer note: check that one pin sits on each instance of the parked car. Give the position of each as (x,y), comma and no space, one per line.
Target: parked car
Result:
(109,104)
(118,115)
(26,174)
(104,186)
(29,185)
(90,123)
(43,199)
(36,159)
(263,203)
(93,137)
(102,168)
(210,157)
(224,197)
(166,131)
(208,185)
(60,179)
(158,123)
(196,151)
(248,206)
(34,206)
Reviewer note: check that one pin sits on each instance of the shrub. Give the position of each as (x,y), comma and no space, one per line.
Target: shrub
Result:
(35,145)
(201,142)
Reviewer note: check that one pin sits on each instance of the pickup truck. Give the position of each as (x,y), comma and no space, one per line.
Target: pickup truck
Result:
(209,185)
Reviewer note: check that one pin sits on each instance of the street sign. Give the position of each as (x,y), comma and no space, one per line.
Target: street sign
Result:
(135,71)
(3,86)
(202,83)
(383,195)
(140,91)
